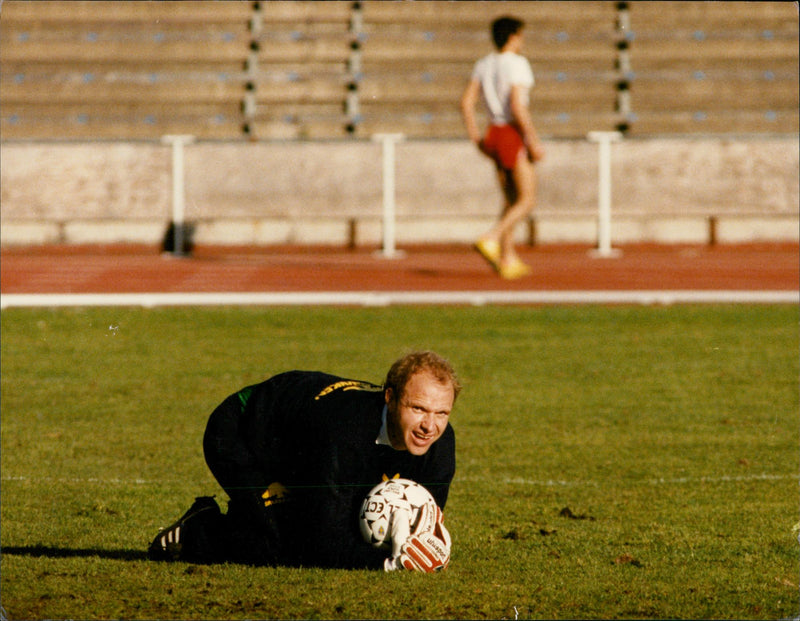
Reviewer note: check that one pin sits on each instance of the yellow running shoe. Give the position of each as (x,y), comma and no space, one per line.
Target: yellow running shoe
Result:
(514,269)
(489,250)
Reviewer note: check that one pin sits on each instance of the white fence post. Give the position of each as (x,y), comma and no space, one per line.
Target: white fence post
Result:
(180,240)
(604,140)
(388,142)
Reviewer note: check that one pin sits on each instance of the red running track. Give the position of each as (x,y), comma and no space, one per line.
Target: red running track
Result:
(145,269)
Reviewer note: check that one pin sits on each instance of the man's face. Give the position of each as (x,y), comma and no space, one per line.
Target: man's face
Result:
(419,417)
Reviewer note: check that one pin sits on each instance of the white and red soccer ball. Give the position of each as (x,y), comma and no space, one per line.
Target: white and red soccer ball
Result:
(375,518)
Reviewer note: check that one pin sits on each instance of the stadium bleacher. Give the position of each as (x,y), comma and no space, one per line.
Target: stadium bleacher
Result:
(122,70)
(299,69)
(291,70)
(713,67)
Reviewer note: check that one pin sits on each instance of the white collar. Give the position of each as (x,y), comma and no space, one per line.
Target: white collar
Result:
(383,436)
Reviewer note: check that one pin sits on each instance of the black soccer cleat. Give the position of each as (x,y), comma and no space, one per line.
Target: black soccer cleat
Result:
(170,543)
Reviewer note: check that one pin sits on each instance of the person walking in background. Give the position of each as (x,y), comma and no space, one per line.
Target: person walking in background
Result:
(503,80)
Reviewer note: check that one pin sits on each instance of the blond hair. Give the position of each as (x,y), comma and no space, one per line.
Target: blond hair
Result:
(410,364)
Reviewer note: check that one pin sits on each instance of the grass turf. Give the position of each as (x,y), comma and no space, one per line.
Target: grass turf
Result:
(613,462)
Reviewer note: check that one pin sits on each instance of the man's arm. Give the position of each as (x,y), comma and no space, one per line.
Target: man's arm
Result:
(468,101)
(334,539)
(522,118)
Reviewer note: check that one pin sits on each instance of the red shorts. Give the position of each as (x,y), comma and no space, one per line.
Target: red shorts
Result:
(503,143)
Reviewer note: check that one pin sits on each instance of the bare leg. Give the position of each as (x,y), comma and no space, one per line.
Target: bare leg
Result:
(519,186)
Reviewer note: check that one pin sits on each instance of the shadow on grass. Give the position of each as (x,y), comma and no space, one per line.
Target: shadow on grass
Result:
(52,552)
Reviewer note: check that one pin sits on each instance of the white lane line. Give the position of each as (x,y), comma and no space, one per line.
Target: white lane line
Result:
(389,298)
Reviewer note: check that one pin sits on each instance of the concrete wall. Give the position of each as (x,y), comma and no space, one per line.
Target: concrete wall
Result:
(663,190)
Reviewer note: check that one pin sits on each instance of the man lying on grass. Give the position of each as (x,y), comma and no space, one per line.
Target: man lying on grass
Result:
(296,455)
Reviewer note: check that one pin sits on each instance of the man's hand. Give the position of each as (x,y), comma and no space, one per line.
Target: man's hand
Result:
(535,150)
(425,552)
(399,528)
(429,515)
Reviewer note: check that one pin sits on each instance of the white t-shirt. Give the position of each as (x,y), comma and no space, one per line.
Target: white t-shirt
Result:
(497,73)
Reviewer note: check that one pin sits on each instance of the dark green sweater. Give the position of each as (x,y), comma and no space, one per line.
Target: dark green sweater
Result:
(315,433)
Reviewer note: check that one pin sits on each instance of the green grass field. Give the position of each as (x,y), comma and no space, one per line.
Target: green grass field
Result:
(620,462)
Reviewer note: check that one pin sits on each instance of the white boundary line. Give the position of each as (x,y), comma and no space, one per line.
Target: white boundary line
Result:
(658,481)
(389,298)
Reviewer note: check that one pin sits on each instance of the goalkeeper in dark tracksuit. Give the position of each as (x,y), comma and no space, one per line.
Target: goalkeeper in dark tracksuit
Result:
(296,455)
